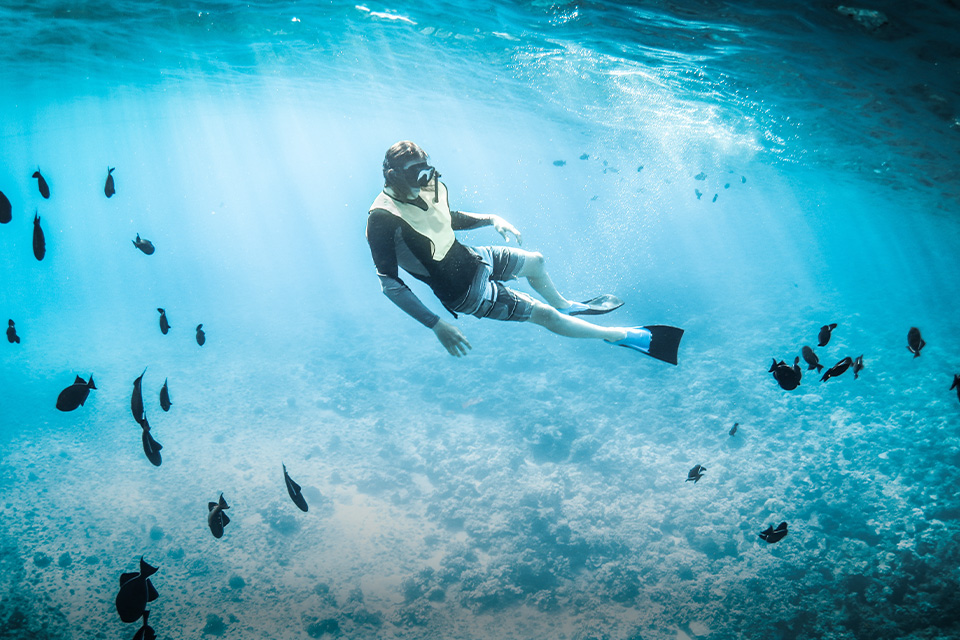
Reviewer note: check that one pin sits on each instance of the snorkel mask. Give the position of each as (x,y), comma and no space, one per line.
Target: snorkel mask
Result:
(419,175)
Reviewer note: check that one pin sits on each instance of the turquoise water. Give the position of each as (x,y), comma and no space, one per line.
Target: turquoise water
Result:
(535,488)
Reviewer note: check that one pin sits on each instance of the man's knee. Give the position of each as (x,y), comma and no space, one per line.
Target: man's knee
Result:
(533,264)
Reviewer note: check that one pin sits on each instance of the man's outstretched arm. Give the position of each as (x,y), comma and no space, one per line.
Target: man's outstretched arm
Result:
(462,220)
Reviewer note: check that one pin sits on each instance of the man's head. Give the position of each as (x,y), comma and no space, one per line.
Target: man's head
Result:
(405,167)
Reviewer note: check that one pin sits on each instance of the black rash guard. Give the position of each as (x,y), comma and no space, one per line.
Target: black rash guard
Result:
(394,243)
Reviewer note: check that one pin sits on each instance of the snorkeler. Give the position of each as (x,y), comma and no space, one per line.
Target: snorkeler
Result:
(411,225)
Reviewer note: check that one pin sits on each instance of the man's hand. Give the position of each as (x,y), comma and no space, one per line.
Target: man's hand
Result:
(503,227)
(451,338)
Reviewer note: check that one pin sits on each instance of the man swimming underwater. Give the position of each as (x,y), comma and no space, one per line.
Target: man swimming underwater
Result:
(411,225)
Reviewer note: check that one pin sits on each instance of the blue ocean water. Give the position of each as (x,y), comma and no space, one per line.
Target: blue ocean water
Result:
(535,488)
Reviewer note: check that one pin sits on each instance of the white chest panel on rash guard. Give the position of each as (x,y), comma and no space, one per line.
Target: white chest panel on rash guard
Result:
(434,223)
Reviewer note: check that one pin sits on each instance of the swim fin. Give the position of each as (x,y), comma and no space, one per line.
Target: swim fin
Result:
(657,341)
(594,307)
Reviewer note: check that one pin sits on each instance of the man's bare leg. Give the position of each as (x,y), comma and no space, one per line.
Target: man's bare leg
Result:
(573,327)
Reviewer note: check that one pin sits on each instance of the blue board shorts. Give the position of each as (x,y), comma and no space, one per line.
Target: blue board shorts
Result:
(487,296)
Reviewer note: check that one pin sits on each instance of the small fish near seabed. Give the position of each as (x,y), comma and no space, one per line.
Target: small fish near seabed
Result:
(837,369)
(811,359)
(109,188)
(216,518)
(825,332)
(201,336)
(144,245)
(733,429)
(786,376)
(145,632)
(165,396)
(151,448)
(772,535)
(136,591)
(42,184)
(956,385)
(857,366)
(294,490)
(914,342)
(39,242)
(76,394)
(695,474)
(6,210)
(12,336)
(136,400)
(164,323)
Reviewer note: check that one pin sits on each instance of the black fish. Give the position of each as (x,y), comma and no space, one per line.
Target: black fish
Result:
(150,446)
(135,592)
(108,189)
(786,376)
(837,369)
(772,535)
(857,367)
(75,395)
(956,385)
(144,245)
(42,184)
(824,336)
(136,400)
(914,342)
(6,211)
(39,242)
(695,474)
(164,325)
(294,490)
(12,333)
(811,359)
(217,519)
(145,632)
(165,396)
(201,336)
(733,429)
